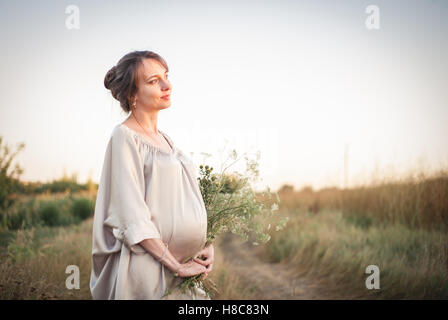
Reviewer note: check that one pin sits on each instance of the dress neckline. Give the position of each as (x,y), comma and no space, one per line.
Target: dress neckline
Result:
(146,141)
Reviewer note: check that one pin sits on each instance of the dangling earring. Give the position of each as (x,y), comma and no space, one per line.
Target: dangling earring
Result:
(135,105)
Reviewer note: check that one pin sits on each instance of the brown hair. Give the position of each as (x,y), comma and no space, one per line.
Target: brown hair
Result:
(121,79)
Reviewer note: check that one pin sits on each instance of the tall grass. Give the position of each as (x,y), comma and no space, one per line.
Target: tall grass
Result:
(332,236)
(330,246)
(39,237)
(417,201)
(399,225)
(33,264)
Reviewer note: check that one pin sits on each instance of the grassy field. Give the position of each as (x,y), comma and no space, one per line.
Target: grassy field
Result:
(331,237)
(399,225)
(337,249)
(33,265)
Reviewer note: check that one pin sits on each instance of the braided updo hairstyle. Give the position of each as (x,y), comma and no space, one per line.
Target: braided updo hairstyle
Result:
(121,79)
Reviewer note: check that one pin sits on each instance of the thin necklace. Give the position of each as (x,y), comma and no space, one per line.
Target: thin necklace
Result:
(142,126)
(171,148)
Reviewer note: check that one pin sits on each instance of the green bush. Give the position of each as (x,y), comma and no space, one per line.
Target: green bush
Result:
(49,214)
(82,209)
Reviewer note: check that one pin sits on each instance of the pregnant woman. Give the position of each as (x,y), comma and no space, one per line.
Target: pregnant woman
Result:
(149,212)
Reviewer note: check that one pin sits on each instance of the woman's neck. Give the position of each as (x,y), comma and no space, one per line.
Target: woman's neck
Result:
(147,120)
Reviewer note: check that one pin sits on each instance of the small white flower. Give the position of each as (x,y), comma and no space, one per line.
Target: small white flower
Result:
(274,207)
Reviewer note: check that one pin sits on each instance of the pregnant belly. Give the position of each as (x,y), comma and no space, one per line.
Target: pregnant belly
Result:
(188,238)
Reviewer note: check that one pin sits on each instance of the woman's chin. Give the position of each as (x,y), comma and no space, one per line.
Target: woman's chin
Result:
(165,105)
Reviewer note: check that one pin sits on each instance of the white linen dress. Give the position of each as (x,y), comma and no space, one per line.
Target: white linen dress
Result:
(144,192)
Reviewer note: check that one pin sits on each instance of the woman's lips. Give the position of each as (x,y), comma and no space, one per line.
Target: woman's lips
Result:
(167,97)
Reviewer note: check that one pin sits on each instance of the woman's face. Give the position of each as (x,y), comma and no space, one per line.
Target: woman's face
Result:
(152,86)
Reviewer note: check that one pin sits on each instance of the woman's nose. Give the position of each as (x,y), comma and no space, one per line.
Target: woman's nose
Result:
(166,85)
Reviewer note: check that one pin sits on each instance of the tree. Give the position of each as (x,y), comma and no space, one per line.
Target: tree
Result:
(9,179)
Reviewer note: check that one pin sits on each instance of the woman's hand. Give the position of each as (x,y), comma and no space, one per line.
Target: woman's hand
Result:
(209,254)
(190,268)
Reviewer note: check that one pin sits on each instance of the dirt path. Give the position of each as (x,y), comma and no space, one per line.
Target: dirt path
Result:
(272,281)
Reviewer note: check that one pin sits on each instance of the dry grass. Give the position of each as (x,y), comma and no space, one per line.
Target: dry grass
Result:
(327,246)
(33,266)
(230,284)
(332,236)
(418,200)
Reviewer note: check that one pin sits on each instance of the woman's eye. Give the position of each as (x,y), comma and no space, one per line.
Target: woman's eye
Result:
(154,81)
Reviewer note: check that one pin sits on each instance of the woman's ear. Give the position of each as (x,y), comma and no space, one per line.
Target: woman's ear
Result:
(133,102)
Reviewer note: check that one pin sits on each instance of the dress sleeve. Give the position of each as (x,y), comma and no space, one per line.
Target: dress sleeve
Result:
(128,214)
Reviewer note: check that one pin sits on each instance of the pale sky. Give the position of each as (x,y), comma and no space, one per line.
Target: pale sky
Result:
(297,80)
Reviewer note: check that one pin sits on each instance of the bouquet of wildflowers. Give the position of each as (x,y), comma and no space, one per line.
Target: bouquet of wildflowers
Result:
(232,205)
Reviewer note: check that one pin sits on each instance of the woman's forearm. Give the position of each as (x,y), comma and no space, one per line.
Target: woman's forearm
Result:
(156,247)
